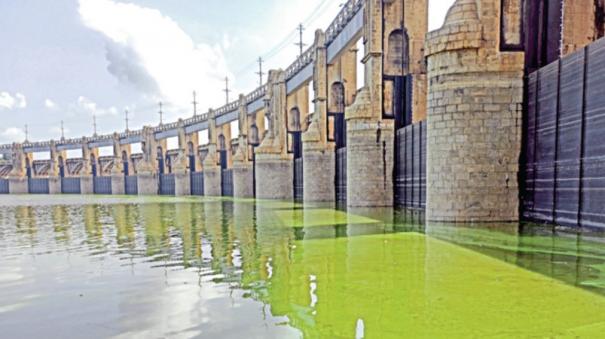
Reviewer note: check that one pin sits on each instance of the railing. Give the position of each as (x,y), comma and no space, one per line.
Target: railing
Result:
(349,10)
(301,62)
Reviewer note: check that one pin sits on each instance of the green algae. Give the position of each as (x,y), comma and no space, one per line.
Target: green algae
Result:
(320,272)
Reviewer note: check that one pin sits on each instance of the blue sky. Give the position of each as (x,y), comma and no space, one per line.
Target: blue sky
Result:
(65,59)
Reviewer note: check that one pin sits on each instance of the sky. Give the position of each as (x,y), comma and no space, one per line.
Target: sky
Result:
(65,60)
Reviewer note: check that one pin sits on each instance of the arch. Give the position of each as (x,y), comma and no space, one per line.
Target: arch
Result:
(168,163)
(191,155)
(125,162)
(398,52)
(190,148)
(294,120)
(337,97)
(61,166)
(254,137)
(160,159)
(93,165)
(222,144)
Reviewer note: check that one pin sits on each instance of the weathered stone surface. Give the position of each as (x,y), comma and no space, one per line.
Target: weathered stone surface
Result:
(18,185)
(118,186)
(369,156)
(147,183)
(243,181)
(212,181)
(54,185)
(319,171)
(474,118)
(86,184)
(182,183)
(274,178)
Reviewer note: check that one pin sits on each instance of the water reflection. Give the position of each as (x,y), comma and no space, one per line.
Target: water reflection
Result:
(265,269)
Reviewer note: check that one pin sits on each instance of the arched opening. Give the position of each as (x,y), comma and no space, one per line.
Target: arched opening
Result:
(336,121)
(93,165)
(28,168)
(222,144)
(191,155)
(168,163)
(61,167)
(294,120)
(125,162)
(337,98)
(398,52)
(253,138)
(160,159)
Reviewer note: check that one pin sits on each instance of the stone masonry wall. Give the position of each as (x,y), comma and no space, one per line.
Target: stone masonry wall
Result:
(474,118)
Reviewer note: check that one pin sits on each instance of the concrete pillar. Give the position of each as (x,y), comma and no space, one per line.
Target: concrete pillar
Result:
(474,118)
(370,138)
(86,184)
(147,175)
(17,179)
(182,177)
(118,185)
(86,180)
(54,180)
(318,154)
(274,166)
(212,169)
(243,174)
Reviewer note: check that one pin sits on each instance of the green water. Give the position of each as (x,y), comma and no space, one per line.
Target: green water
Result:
(89,267)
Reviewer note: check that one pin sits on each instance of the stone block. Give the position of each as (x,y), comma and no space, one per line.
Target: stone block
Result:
(54,185)
(18,185)
(182,184)
(118,186)
(212,181)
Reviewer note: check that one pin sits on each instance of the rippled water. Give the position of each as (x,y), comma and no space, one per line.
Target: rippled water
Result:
(188,267)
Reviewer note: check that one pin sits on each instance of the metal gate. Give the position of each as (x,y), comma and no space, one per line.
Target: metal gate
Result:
(38,185)
(102,185)
(4,189)
(341,175)
(227,182)
(410,162)
(564,175)
(70,186)
(131,185)
(167,184)
(298,179)
(197,183)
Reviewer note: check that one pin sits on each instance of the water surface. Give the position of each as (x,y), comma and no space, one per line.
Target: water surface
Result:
(92,267)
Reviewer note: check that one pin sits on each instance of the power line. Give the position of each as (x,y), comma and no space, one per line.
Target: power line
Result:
(26,133)
(62,131)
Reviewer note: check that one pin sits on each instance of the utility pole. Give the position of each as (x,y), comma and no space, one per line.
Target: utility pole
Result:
(260,71)
(301,44)
(94,124)
(226,90)
(26,133)
(161,113)
(126,119)
(194,104)
(62,131)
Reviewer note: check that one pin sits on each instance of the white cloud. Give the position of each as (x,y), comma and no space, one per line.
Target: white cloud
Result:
(9,102)
(12,134)
(150,51)
(50,104)
(87,106)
